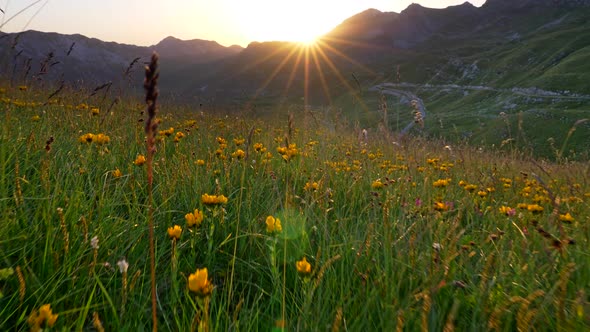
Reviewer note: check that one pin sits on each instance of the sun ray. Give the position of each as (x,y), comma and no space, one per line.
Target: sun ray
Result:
(274,73)
(249,66)
(293,71)
(342,79)
(320,72)
(349,42)
(345,57)
(306,78)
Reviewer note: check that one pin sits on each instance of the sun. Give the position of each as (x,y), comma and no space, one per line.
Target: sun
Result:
(303,22)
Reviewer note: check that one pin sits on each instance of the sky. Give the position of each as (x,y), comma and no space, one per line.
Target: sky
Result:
(229,22)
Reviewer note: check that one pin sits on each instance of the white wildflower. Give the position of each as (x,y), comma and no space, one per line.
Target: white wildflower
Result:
(123,265)
(94,242)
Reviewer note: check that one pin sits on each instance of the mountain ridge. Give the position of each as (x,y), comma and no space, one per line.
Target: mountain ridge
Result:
(90,60)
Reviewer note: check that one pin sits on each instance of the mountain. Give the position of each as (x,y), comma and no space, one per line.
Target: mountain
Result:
(195,50)
(498,43)
(89,61)
(413,25)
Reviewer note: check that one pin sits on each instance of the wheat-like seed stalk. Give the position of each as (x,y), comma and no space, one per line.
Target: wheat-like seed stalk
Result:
(134,280)
(22,286)
(562,291)
(322,271)
(96,322)
(400,321)
(484,274)
(450,324)
(64,229)
(426,304)
(84,227)
(337,320)
(524,315)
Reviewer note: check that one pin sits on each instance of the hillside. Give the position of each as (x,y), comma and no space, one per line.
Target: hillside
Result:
(527,59)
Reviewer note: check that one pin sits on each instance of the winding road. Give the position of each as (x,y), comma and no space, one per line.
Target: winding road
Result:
(387,89)
(394,89)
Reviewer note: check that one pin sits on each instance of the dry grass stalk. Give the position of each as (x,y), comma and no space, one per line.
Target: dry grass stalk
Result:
(84,227)
(150,85)
(130,67)
(18,194)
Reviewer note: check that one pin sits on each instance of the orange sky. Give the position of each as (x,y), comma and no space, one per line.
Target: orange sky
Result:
(146,22)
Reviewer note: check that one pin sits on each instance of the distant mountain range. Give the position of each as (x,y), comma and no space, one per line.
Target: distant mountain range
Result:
(78,59)
(504,43)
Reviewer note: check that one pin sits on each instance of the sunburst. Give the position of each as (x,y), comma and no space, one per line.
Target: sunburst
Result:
(317,63)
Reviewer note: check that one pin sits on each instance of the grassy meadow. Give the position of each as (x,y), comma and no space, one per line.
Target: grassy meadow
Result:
(299,227)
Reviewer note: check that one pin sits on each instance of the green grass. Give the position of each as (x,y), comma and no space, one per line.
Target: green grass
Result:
(381,258)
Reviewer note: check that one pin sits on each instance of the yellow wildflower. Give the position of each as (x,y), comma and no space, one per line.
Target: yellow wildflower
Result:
(470,187)
(199,283)
(117,173)
(140,160)
(95,111)
(213,199)
(35,118)
(441,183)
(288,152)
(166,132)
(309,186)
(377,184)
(174,232)
(567,218)
(101,139)
(482,193)
(179,135)
(86,138)
(43,315)
(303,267)
(200,162)
(194,219)
(535,208)
(273,224)
(258,147)
(238,154)
(239,141)
(221,141)
(440,206)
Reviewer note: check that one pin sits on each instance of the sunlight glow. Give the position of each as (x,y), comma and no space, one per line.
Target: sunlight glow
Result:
(296,21)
